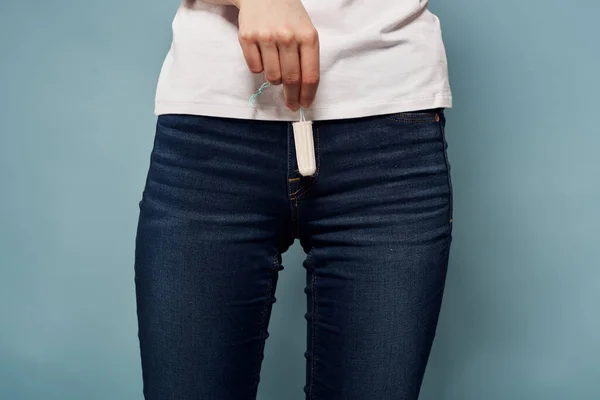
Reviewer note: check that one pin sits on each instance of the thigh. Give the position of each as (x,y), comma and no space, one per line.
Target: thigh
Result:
(211,230)
(377,228)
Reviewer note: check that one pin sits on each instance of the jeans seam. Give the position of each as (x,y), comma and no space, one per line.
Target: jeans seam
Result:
(411,121)
(289,163)
(289,185)
(313,367)
(265,313)
(297,219)
(294,210)
(447,163)
(263,330)
(299,193)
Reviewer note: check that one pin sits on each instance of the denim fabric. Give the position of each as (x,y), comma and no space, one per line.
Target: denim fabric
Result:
(223,200)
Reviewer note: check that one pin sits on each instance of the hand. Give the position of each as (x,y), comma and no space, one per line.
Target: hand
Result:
(278,37)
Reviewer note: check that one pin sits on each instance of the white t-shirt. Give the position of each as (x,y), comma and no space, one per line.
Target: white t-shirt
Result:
(377,57)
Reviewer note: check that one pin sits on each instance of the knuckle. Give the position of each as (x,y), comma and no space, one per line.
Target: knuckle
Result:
(265,37)
(311,80)
(247,36)
(273,78)
(309,36)
(285,37)
(292,79)
(292,106)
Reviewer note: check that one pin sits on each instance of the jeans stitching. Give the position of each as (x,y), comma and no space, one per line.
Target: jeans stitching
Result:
(411,121)
(294,219)
(297,219)
(316,176)
(265,316)
(448,177)
(416,117)
(311,390)
(290,180)
(297,191)
(289,162)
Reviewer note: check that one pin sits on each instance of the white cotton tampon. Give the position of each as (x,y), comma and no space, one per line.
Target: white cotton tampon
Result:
(303,138)
(305,147)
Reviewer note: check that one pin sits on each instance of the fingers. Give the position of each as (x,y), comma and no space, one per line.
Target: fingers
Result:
(309,62)
(291,74)
(251,53)
(270,61)
(288,58)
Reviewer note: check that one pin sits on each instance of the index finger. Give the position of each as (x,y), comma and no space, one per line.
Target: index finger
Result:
(311,70)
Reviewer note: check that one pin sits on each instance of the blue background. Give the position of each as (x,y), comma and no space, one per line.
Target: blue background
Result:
(520,319)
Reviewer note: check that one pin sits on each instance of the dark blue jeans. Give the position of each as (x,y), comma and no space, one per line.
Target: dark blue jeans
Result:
(223,200)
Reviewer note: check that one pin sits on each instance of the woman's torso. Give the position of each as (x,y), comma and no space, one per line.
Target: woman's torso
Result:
(377,57)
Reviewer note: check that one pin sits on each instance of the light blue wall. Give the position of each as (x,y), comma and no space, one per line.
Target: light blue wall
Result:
(520,319)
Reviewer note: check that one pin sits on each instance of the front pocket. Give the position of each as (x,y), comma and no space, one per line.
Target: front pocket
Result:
(418,117)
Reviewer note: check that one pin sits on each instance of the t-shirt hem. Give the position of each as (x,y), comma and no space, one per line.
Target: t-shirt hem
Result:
(316,114)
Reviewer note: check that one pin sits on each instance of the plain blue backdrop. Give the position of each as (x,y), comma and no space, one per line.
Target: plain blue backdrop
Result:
(520,319)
